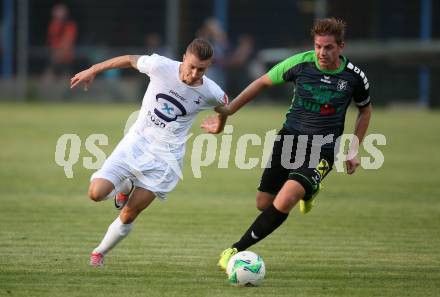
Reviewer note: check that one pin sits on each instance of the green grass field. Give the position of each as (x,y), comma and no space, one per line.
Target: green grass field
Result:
(376,233)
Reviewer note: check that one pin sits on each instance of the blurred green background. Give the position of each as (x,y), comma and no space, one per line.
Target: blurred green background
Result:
(371,234)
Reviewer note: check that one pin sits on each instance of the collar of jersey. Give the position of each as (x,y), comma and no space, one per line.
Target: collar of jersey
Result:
(340,68)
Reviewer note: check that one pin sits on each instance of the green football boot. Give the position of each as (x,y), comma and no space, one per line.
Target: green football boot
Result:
(323,168)
(306,206)
(225,256)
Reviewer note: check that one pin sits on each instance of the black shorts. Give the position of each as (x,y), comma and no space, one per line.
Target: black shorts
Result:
(289,166)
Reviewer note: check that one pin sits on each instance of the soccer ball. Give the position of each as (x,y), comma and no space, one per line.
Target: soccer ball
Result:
(246,269)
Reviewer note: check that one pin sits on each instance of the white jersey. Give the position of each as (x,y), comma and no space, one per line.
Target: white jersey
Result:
(170,106)
(151,154)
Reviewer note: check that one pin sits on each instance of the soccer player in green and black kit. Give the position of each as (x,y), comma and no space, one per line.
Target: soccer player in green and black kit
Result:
(325,84)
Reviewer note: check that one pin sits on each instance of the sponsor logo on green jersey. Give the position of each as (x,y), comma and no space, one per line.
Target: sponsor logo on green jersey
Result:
(322,96)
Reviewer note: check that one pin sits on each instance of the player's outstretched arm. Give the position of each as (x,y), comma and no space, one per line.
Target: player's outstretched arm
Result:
(360,129)
(247,95)
(87,76)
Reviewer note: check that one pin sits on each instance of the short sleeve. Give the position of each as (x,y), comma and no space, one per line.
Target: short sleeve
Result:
(219,99)
(146,63)
(218,96)
(361,94)
(222,99)
(284,71)
(277,72)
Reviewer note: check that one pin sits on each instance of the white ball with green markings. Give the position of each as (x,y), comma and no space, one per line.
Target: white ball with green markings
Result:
(246,269)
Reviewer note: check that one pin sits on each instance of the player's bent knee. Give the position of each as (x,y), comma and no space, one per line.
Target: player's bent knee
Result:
(99,189)
(94,193)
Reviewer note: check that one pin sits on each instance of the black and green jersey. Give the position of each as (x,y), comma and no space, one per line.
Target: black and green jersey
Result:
(321,97)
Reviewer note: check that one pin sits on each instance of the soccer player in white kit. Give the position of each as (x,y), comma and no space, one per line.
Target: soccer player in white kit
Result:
(147,162)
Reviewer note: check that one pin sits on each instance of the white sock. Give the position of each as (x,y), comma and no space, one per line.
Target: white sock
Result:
(115,233)
(124,187)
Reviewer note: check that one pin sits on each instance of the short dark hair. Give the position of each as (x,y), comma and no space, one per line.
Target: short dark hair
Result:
(330,26)
(201,48)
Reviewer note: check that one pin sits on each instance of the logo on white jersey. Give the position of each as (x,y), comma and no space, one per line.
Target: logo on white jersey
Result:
(172,92)
(169,108)
(198,100)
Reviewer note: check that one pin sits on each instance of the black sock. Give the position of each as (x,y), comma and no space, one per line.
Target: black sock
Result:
(270,219)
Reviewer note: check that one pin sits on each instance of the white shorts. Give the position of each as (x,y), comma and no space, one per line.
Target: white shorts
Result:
(133,159)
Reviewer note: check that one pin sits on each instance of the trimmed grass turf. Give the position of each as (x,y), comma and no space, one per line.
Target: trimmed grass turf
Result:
(375,233)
